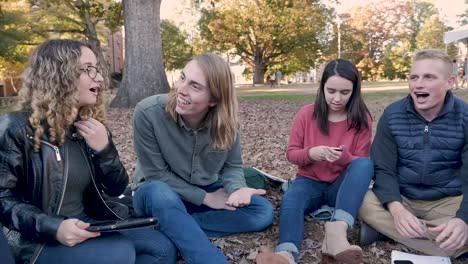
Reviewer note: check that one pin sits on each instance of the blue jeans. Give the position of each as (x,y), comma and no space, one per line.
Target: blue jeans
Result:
(306,195)
(5,253)
(139,245)
(188,225)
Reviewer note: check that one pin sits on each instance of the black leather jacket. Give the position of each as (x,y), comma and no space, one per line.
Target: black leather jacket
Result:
(32,186)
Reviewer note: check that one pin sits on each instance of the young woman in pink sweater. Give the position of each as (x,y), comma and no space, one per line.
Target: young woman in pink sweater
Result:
(329,142)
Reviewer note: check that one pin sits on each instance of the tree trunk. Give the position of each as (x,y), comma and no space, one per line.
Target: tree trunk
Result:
(93,40)
(144,73)
(259,69)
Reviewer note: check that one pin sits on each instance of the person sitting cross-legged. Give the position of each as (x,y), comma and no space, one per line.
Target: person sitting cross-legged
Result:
(189,171)
(420,152)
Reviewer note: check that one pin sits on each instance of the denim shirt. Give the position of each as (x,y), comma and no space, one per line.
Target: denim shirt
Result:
(179,156)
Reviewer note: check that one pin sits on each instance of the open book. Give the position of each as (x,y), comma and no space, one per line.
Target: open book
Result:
(269,176)
(399,257)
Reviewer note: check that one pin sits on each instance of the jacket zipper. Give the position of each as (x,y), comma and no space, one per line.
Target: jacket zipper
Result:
(426,149)
(67,163)
(56,149)
(95,186)
(62,196)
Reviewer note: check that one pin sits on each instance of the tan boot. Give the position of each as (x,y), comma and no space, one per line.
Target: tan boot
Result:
(336,248)
(282,257)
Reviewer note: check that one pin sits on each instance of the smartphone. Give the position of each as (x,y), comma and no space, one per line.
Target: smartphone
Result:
(403,262)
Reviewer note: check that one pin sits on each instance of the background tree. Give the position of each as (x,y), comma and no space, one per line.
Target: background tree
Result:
(431,34)
(463,18)
(382,36)
(397,61)
(78,19)
(16,39)
(144,73)
(12,32)
(265,33)
(176,51)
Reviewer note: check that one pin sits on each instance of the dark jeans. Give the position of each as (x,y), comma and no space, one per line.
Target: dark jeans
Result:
(139,245)
(306,195)
(5,253)
(188,225)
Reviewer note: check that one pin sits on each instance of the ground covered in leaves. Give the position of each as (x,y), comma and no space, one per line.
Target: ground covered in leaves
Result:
(265,126)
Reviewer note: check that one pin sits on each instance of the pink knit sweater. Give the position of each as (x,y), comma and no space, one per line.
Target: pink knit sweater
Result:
(306,135)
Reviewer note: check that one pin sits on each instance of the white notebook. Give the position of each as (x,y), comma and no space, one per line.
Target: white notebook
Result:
(399,257)
(269,176)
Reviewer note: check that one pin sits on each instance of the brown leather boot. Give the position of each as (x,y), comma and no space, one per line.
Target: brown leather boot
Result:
(282,257)
(336,248)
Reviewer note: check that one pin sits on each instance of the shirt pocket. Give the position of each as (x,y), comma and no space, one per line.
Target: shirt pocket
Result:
(215,160)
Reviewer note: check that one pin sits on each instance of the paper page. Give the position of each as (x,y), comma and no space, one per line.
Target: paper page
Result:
(417,259)
(274,178)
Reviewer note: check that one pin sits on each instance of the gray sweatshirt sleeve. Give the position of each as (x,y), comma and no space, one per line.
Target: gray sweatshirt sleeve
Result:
(232,174)
(151,163)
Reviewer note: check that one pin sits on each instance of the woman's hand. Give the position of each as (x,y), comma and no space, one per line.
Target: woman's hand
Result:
(94,133)
(73,231)
(325,153)
(242,196)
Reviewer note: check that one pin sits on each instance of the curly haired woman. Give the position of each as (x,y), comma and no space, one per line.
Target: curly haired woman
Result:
(57,159)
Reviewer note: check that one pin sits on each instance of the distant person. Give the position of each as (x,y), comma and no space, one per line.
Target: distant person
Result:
(464,73)
(57,159)
(329,142)
(455,72)
(189,171)
(272,80)
(420,152)
(279,77)
(298,77)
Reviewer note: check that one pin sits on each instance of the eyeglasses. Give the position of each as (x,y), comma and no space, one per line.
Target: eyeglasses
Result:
(92,71)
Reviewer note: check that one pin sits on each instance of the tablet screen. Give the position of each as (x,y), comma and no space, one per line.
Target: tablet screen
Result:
(115,225)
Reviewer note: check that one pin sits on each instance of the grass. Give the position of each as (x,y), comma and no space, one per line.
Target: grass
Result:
(280,96)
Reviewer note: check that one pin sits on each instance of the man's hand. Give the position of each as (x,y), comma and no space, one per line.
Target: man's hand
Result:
(242,196)
(94,133)
(453,234)
(322,153)
(72,231)
(217,200)
(406,223)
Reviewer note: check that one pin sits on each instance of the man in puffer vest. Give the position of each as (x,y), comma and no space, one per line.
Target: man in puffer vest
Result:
(420,152)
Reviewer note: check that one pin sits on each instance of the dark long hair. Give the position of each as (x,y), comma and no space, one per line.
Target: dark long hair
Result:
(356,108)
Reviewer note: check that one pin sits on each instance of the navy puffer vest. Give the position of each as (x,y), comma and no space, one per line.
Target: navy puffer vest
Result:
(429,153)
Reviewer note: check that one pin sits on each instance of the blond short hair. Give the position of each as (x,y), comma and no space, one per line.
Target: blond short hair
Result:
(435,54)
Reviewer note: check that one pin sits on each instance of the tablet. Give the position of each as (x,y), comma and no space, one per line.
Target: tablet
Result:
(116,225)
